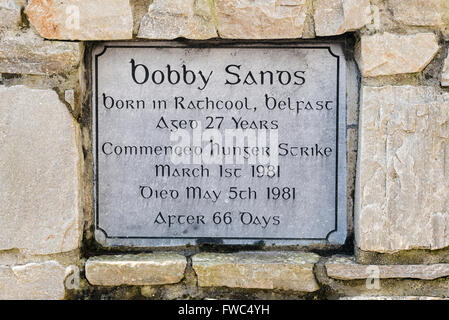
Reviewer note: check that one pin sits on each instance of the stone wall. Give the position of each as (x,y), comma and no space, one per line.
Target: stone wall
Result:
(400,142)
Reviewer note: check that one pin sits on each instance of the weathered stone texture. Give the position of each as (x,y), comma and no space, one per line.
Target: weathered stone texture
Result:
(141,269)
(81,20)
(180,18)
(420,12)
(29,54)
(403,185)
(38,172)
(339,16)
(258,270)
(445,73)
(389,54)
(392,298)
(33,281)
(345,268)
(9,15)
(262,19)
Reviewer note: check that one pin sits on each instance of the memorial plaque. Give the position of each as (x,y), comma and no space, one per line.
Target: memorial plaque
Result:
(238,144)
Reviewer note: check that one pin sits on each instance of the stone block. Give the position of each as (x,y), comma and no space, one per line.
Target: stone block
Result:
(9,15)
(27,53)
(38,172)
(32,281)
(420,12)
(180,18)
(263,19)
(390,54)
(81,20)
(339,16)
(257,270)
(140,269)
(402,185)
(345,268)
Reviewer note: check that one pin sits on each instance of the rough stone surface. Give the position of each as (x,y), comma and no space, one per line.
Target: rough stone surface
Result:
(180,18)
(403,183)
(345,268)
(339,16)
(262,19)
(420,12)
(33,281)
(141,269)
(29,54)
(9,15)
(389,54)
(445,73)
(81,20)
(392,298)
(38,171)
(257,270)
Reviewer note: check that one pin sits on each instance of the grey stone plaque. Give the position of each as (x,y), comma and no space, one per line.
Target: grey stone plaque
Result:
(238,144)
